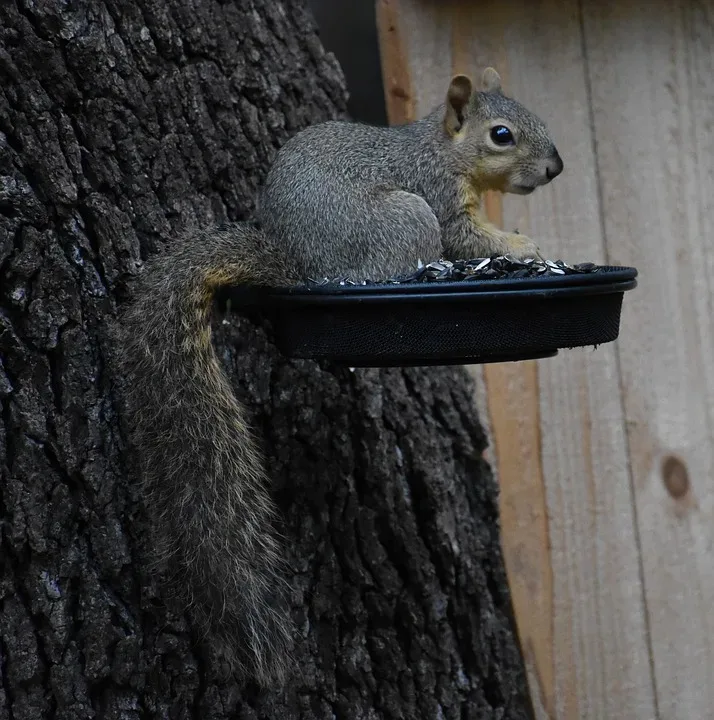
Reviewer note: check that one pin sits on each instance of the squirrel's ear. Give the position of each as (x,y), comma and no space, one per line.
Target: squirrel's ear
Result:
(457,99)
(491,80)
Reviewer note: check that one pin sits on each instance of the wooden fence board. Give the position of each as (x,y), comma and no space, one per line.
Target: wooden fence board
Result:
(396,77)
(652,78)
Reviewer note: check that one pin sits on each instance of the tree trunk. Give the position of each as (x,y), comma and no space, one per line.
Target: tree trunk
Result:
(120,123)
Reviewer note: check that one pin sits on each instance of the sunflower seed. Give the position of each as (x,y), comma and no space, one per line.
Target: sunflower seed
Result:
(499,267)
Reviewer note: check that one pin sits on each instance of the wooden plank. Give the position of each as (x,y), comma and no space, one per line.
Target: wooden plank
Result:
(652,77)
(513,403)
(396,78)
(425,31)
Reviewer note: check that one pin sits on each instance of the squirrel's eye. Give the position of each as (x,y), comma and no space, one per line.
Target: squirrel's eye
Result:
(501,135)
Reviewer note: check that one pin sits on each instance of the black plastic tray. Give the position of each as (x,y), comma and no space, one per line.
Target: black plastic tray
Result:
(444,323)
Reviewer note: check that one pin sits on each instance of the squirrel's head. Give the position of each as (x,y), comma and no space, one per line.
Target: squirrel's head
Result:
(498,144)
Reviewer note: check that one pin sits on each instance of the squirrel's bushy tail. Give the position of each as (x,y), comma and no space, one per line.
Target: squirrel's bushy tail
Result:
(203,476)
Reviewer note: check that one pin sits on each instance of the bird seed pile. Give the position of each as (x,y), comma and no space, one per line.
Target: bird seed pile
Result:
(496,268)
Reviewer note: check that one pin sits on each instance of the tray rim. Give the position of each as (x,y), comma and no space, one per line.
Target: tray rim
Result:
(613,279)
(437,298)
(608,274)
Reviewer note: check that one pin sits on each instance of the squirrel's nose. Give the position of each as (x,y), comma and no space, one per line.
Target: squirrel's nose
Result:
(554,166)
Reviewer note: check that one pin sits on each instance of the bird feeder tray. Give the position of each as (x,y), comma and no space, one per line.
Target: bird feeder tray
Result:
(479,311)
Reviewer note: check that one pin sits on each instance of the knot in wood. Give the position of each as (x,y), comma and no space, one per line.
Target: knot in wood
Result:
(675,476)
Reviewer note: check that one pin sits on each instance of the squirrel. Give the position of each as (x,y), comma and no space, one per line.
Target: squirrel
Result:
(345,198)
(340,198)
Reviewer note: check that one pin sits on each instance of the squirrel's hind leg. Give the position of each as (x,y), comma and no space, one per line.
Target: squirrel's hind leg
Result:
(406,231)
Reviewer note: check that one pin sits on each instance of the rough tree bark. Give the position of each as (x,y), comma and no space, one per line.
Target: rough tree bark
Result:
(120,122)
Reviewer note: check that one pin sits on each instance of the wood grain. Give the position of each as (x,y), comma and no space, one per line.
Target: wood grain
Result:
(652,79)
(396,78)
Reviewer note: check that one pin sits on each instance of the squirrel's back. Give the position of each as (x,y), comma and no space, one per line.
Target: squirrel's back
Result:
(340,186)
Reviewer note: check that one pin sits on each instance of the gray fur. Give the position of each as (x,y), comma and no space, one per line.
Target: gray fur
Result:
(203,478)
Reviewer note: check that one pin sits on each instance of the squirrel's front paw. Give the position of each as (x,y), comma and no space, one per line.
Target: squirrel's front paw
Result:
(520,246)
